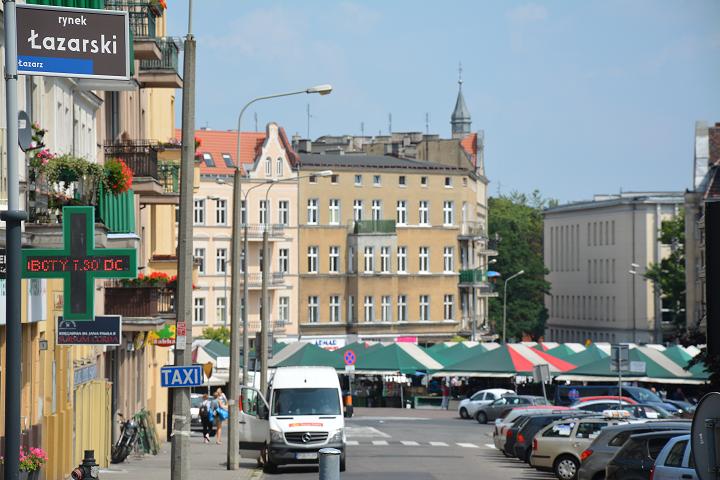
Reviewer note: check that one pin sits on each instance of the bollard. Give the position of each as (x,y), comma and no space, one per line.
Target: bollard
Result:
(88,469)
(329,463)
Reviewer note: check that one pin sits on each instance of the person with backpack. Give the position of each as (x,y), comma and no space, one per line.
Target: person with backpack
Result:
(220,413)
(205,418)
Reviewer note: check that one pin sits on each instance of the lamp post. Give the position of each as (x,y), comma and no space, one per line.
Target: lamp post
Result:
(233,455)
(633,272)
(505,303)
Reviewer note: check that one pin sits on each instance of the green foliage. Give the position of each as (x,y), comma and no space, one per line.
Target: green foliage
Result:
(67,169)
(221,334)
(669,275)
(518,220)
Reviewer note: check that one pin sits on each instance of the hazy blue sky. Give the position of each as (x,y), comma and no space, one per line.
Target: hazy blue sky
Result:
(575,97)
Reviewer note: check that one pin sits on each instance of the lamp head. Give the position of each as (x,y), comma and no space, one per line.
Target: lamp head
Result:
(324,173)
(521,272)
(324,89)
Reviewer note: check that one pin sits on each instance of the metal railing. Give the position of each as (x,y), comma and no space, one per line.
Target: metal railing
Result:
(255,279)
(373,226)
(255,230)
(169,59)
(140,155)
(169,176)
(141,16)
(139,301)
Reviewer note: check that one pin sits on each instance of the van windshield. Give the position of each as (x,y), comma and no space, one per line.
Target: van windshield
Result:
(306,401)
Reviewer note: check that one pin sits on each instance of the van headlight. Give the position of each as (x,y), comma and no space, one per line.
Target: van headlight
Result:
(276,436)
(336,436)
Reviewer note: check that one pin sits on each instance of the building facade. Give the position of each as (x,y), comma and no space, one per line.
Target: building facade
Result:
(590,249)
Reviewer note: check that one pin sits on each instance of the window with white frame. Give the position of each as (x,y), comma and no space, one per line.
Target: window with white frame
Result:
(448,182)
(334,266)
(358,179)
(386,308)
(268,167)
(402,259)
(385,259)
(424,213)
(369,309)
(208,159)
(284,260)
(313,309)
(401,212)
(312,211)
(357,210)
(335,308)
(351,308)
(376,180)
(448,259)
(351,260)
(424,308)
(423,181)
(221,212)
(221,310)
(312,259)
(369,260)
(334,211)
(221,260)
(283,310)
(199,256)
(284,212)
(402,308)
(424,260)
(334,179)
(401,180)
(243,212)
(263,212)
(448,213)
(448,307)
(199,310)
(312,179)
(377,210)
(279,167)
(199,212)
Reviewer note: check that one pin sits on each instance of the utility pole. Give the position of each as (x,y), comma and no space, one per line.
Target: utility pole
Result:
(265,317)
(180,447)
(13,218)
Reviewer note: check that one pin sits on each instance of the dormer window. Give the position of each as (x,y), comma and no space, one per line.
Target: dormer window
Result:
(207,157)
(228,160)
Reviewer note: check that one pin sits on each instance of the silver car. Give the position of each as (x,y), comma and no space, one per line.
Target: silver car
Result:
(497,408)
(675,461)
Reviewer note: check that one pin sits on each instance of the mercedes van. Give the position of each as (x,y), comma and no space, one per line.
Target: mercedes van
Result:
(302,414)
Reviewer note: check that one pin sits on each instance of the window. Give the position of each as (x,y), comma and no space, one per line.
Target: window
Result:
(424,260)
(402,308)
(199,310)
(334,266)
(401,180)
(313,259)
(448,260)
(676,454)
(208,159)
(386,308)
(312,309)
(334,211)
(448,307)
(369,260)
(369,309)
(263,213)
(560,430)
(589,429)
(284,212)
(358,179)
(312,179)
(424,181)
(464,212)
(655,445)
(402,260)
(243,212)
(357,210)
(312,211)
(199,212)
(423,212)
(385,259)
(228,160)
(221,260)
(283,310)
(424,308)
(334,179)
(351,260)
(351,308)
(279,167)
(448,182)
(220,310)
(199,255)
(335,308)
(221,212)
(402,212)
(376,180)
(448,213)
(284,260)
(377,210)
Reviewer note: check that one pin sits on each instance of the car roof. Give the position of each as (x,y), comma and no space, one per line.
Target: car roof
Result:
(656,425)
(649,435)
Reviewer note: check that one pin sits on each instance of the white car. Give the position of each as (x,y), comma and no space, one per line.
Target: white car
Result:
(469,406)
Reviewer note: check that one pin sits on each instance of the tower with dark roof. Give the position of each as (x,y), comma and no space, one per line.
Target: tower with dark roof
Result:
(460,118)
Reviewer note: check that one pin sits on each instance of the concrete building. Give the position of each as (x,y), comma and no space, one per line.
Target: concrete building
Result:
(589,249)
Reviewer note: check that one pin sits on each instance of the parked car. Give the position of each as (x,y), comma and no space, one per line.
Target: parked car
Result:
(640,410)
(599,405)
(495,409)
(564,394)
(523,441)
(686,408)
(605,397)
(558,446)
(511,435)
(195,402)
(675,461)
(634,461)
(508,419)
(611,439)
(469,406)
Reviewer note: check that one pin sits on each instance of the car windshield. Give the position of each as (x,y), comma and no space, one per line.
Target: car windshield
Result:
(305,401)
(195,402)
(643,395)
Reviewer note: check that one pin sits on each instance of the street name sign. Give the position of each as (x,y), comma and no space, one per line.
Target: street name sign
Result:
(620,357)
(73,42)
(79,263)
(181,376)
(105,330)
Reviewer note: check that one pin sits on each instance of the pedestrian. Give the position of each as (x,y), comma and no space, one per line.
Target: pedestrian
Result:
(220,408)
(445,395)
(207,424)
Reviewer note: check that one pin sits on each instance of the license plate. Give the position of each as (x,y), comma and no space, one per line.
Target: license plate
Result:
(306,456)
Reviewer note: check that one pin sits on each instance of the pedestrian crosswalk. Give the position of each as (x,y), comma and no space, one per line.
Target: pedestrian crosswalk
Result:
(413,443)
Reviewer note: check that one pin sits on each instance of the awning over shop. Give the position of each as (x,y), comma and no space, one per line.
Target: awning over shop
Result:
(591,354)
(303,354)
(565,350)
(405,358)
(505,361)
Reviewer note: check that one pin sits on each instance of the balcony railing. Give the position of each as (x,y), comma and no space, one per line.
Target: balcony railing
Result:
(472,276)
(169,176)
(472,229)
(255,230)
(169,60)
(140,155)
(139,301)
(374,226)
(255,279)
(141,16)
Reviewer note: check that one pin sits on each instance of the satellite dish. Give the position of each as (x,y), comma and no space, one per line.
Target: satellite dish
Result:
(24,131)
(705,437)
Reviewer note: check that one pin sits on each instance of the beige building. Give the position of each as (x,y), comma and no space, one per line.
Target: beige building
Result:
(590,249)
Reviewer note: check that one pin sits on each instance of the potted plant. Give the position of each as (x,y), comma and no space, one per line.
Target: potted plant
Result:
(31,460)
(158,7)
(118,177)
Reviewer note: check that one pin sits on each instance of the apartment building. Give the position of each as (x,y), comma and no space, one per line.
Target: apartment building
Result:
(590,249)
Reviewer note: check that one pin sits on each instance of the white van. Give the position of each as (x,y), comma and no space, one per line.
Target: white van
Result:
(304,414)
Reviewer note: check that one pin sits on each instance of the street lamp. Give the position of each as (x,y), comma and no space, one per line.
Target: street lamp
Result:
(505,303)
(232,450)
(633,271)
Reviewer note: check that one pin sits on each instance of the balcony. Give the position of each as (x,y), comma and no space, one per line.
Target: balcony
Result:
(255,231)
(140,301)
(275,279)
(472,231)
(162,73)
(384,227)
(169,176)
(476,278)
(142,18)
(153,180)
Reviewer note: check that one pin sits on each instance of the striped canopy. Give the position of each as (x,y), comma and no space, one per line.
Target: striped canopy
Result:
(457,353)
(565,350)
(506,361)
(591,354)
(396,358)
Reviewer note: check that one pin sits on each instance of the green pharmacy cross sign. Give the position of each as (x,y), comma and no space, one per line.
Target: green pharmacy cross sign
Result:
(79,263)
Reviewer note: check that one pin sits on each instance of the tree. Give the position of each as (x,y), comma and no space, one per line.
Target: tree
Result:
(517,221)
(221,334)
(668,276)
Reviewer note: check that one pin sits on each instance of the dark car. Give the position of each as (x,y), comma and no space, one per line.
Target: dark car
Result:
(497,408)
(511,434)
(566,394)
(522,447)
(634,461)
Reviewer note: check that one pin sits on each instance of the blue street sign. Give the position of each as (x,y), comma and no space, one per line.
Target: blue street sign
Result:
(182,376)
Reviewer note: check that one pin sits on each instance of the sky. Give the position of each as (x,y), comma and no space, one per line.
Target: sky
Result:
(575,97)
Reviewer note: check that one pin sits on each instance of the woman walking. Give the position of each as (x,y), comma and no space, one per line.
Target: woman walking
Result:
(205,409)
(221,413)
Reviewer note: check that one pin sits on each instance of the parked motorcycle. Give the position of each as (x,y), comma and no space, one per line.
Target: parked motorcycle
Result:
(129,434)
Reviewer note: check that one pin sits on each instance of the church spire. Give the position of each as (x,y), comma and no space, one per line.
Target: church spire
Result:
(460,118)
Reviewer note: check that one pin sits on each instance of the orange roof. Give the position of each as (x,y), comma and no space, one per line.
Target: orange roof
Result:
(219,142)
(469,144)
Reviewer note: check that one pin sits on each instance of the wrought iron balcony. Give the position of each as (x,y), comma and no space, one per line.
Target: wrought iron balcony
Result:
(140,155)
(141,16)
(374,226)
(169,173)
(162,73)
(139,301)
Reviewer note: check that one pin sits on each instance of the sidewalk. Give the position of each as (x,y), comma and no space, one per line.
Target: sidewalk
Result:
(206,461)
